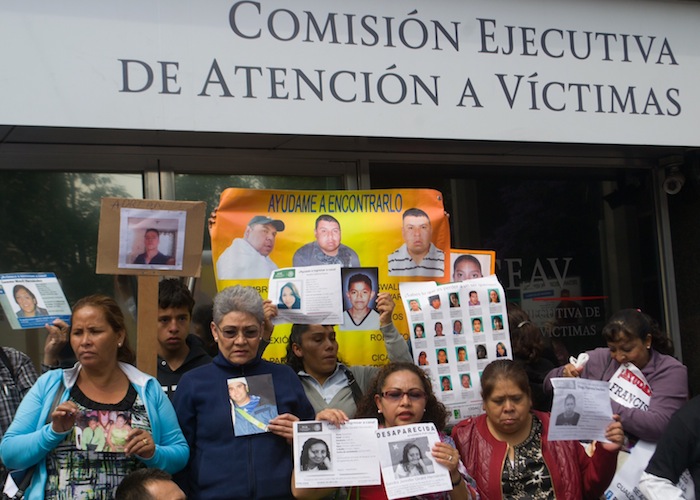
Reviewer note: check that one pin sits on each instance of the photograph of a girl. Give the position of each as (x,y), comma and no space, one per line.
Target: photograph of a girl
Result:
(315,455)
(413,463)
(290,298)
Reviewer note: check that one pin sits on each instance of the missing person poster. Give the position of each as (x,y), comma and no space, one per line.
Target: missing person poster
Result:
(408,468)
(456,329)
(31,300)
(329,456)
(307,295)
(580,410)
(403,234)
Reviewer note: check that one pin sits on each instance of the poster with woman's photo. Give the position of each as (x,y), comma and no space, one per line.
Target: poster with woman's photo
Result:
(307,295)
(253,404)
(408,468)
(326,456)
(30,300)
(105,430)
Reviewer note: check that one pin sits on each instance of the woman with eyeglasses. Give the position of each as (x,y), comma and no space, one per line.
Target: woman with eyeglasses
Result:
(401,394)
(262,462)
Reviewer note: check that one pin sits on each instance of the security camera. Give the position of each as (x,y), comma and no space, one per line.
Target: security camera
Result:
(674,181)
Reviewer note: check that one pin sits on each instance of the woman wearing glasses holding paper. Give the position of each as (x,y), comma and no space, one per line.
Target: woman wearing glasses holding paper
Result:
(401,394)
(261,462)
(507,452)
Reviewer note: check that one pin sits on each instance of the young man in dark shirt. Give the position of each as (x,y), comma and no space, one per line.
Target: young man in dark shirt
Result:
(178,351)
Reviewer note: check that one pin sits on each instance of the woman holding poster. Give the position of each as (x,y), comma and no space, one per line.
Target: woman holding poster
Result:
(507,451)
(402,394)
(312,353)
(44,433)
(261,461)
(647,385)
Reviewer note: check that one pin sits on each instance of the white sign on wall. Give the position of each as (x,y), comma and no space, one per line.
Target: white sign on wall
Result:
(587,71)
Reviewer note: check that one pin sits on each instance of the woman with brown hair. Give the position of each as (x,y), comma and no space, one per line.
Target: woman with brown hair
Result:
(43,436)
(401,394)
(507,452)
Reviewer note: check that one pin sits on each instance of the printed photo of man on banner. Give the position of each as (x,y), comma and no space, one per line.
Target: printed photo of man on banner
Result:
(404,234)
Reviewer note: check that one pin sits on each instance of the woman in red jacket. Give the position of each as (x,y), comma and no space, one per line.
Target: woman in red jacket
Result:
(507,453)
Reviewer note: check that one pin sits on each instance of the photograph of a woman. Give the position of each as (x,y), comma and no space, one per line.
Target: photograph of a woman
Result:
(26,300)
(423,359)
(497,322)
(315,455)
(446,383)
(419,331)
(118,432)
(290,298)
(501,351)
(413,463)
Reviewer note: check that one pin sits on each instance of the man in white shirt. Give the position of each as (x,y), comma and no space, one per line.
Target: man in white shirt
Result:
(418,256)
(249,257)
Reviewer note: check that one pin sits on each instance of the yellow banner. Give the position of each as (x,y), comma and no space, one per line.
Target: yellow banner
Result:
(404,234)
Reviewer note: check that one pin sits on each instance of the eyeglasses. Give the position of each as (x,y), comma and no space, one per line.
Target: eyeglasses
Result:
(232,333)
(397,395)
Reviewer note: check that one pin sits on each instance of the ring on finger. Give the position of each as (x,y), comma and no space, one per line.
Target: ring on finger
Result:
(145,441)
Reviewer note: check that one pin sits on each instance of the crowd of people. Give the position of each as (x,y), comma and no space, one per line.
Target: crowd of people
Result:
(94,426)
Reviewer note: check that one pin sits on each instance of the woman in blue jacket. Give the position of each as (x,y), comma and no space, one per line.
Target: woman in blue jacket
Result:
(44,434)
(224,464)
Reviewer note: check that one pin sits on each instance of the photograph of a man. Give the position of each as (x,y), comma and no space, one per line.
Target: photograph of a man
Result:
(249,257)
(327,249)
(466,267)
(152,255)
(360,294)
(248,412)
(418,256)
(569,416)
(461,354)
(414,305)
(438,330)
(93,434)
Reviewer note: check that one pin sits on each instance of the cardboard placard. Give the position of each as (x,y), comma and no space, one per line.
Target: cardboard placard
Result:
(125,225)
